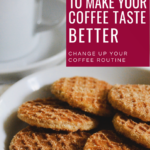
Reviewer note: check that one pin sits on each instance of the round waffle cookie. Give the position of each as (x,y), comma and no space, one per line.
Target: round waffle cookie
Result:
(133,100)
(138,132)
(55,114)
(86,93)
(108,140)
(32,138)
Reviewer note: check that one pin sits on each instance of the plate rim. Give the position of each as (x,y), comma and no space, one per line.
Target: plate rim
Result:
(48,69)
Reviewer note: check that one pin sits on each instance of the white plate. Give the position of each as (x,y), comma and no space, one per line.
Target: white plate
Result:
(49,52)
(37,85)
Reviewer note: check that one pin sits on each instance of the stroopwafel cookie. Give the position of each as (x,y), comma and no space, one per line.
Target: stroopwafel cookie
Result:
(138,132)
(109,140)
(133,100)
(86,93)
(32,138)
(55,114)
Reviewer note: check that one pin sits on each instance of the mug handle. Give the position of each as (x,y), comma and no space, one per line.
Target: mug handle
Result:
(43,25)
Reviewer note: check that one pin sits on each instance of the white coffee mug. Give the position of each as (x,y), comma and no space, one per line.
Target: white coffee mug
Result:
(20,20)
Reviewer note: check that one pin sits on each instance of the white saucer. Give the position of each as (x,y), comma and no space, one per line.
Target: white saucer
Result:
(49,52)
(38,86)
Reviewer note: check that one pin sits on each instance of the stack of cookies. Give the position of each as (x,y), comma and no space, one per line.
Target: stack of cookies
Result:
(66,121)
(133,102)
